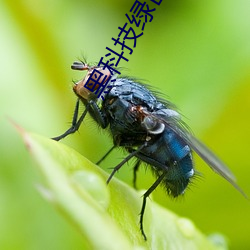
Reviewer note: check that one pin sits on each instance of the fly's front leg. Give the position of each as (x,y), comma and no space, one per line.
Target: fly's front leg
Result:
(94,111)
(75,123)
(97,114)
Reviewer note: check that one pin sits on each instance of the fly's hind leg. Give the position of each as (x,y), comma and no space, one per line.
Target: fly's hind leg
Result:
(145,196)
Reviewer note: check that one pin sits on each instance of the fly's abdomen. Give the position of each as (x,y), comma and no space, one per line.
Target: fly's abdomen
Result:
(170,155)
(178,176)
(180,166)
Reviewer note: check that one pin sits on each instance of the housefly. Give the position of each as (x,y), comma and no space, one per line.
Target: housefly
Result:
(149,128)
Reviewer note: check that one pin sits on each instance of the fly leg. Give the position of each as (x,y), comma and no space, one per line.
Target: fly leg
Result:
(135,169)
(125,160)
(97,114)
(145,196)
(75,124)
(105,155)
(94,111)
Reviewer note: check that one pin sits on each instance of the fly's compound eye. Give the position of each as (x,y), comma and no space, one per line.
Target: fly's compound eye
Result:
(95,77)
(152,125)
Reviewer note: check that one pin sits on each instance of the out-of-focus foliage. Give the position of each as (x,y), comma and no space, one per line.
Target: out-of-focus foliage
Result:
(197,53)
(101,213)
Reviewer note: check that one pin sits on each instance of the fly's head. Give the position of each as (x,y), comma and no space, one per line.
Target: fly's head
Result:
(95,77)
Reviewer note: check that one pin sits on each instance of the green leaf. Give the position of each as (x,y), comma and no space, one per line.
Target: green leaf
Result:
(107,215)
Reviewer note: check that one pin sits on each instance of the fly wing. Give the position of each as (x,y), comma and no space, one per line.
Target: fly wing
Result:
(174,123)
(207,155)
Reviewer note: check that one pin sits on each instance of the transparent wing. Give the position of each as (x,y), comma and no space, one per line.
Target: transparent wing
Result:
(208,156)
(175,124)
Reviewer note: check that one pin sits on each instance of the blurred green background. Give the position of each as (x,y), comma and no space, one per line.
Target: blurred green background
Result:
(195,52)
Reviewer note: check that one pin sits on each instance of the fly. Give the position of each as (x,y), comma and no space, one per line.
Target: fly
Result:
(149,128)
